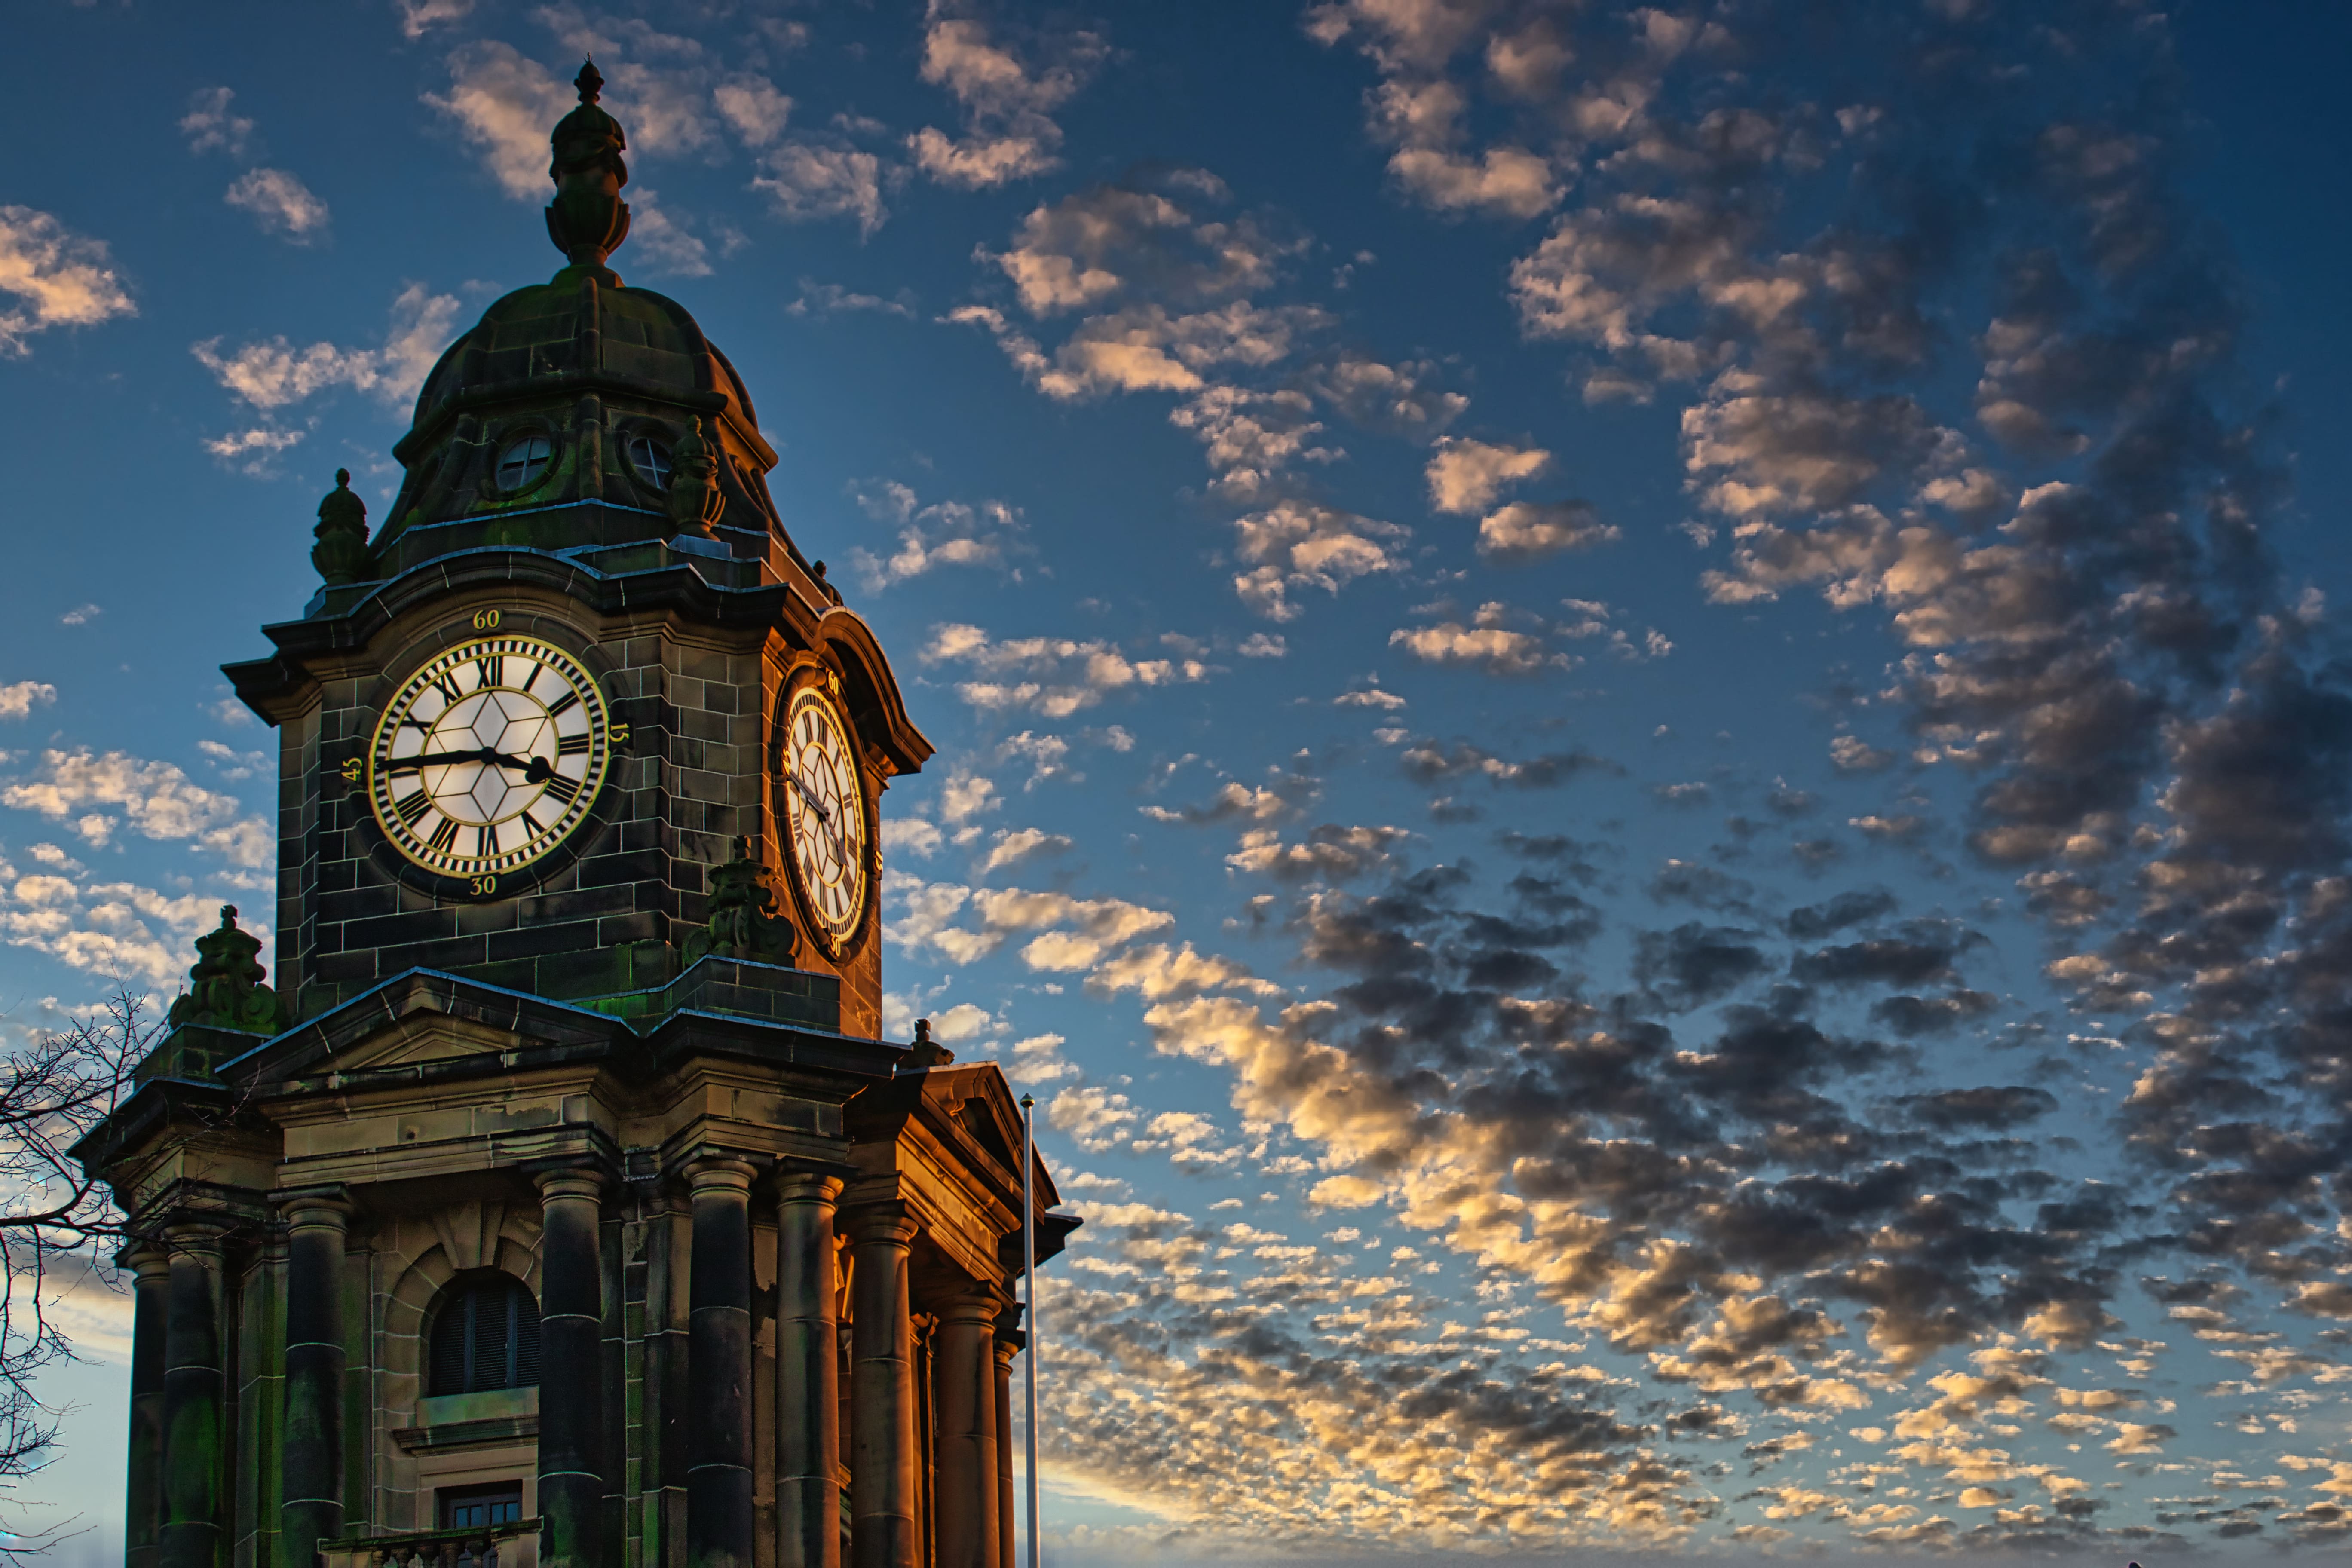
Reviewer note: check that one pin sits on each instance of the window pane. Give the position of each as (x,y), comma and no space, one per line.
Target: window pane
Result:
(523,461)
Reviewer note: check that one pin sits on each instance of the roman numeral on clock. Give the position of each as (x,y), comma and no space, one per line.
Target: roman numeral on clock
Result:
(562,788)
(564,704)
(487,671)
(572,746)
(446,685)
(485,842)
(412,806)
(443,835)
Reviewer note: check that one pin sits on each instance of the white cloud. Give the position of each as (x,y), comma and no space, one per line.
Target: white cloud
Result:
(966,795)
(1263,645)
(910,835)
(157,799)
(833,299)
(1298,544)
(1054,676)
(1015,846)
(419,17)
(1006,104)
(666,245)
(964,1021)
(80,615)
(506,105)
(1852,754)
(251,451)
(209,126)
(807,181)
(1464,475)
(120,930)
(945,533)
(274,373)
(64,278)
(1527,530)
(1509,181)
(1487,643)
(1074,934)
(753,108)
(280,203)
(18,699)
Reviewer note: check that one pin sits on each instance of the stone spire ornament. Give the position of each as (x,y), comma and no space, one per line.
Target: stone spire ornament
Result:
(588,219)
(744,922)
(341,553)
(695,503)
(225,989)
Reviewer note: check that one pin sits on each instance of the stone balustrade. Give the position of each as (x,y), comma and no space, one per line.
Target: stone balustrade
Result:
(514,1545)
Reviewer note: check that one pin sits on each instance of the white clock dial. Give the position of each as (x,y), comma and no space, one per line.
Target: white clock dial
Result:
(490,756)
(824,812)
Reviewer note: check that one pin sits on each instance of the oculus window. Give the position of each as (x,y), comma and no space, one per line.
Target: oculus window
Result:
(650,458)
(523,462)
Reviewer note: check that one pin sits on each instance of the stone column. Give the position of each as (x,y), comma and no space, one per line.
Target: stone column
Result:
(570,1352)
(884,1532)
(718,1512)
(311,1475)
(964,1401)
(151,1268)
(1006,1343)
(808,1375)
(194,1469)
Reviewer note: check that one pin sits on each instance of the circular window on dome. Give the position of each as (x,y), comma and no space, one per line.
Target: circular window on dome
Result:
(524,462)
(650,458)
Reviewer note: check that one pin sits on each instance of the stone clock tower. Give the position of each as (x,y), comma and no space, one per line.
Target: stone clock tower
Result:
(560,1204)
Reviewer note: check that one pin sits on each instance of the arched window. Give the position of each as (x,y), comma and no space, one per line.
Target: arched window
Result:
(486,1335)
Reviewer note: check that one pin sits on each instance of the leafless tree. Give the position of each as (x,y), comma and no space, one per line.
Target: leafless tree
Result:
(53,1089)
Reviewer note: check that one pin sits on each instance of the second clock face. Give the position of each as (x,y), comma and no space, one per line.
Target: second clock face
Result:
(824,808)
(490,756)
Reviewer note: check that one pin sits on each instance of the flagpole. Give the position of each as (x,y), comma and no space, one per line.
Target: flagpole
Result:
(1029,1291)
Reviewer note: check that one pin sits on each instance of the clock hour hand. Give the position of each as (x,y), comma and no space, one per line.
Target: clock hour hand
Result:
(809,800)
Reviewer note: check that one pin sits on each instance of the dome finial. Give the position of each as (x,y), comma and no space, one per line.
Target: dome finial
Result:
(588,220)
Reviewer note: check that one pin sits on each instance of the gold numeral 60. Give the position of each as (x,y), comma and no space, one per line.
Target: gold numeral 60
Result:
(486,620)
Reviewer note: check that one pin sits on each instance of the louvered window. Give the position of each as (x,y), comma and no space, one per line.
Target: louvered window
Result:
(486,1335)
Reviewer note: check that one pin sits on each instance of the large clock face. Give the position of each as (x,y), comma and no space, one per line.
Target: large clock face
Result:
(490,756)
(824,810)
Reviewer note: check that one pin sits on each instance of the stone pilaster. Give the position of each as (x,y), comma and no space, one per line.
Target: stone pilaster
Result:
(964,1402)
(311,1472)
(808,1370)
(151,1268)
(193,1533)
(571,1402)
(883,1531)
(1004,1344)
(719,1481)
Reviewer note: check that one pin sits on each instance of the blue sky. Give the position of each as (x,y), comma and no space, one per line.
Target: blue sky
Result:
(1641,715)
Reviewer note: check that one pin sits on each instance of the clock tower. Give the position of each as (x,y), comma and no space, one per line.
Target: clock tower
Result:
(560,1203)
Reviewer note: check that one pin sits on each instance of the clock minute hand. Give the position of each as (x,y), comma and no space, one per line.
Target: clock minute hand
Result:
(832,829)
(480,754)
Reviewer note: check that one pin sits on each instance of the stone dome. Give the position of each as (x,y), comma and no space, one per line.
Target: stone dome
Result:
(578,327)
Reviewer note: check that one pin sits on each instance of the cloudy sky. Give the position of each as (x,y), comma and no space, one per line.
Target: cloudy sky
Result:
(1643,730)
